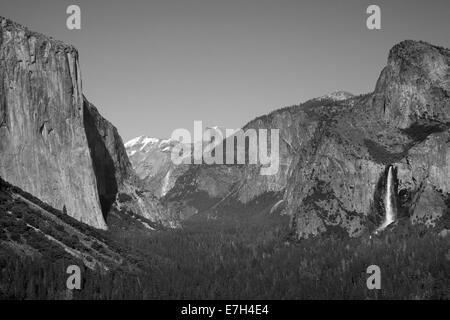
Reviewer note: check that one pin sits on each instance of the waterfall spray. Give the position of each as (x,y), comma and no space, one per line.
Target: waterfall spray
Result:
(390,207)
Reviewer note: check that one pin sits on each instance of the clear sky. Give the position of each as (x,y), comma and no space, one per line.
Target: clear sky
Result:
(153,66)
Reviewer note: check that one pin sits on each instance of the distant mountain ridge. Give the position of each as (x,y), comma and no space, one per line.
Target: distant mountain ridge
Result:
(150,157)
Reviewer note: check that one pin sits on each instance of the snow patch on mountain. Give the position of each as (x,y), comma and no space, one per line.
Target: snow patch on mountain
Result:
(337,96)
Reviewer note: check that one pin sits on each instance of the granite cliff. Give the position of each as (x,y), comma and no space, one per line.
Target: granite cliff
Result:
(43,145)
(54,144)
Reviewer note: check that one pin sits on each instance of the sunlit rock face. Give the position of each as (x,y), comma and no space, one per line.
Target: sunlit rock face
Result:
(43,145)
(54,143)
(335,154)
(414,85)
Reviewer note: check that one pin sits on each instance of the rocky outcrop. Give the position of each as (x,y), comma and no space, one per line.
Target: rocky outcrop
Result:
(43,145)
(414,85)
(423,179)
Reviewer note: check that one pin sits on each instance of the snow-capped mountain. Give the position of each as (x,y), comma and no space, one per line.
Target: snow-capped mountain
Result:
(151,159)
(145,144)
(336,96)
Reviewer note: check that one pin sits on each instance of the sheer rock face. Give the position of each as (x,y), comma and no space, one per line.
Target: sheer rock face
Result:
(334,155)
(43,145)
(54,144)
(415,84)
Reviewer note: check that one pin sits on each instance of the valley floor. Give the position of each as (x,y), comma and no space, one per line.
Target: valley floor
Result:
(238,253)
(223,259)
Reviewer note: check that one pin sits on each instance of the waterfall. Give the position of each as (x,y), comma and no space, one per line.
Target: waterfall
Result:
(389,202)
(166,181)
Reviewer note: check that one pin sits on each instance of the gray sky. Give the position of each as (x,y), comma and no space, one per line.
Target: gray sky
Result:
(153,66)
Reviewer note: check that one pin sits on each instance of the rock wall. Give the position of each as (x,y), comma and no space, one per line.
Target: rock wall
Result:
(54,143)
(43,145)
